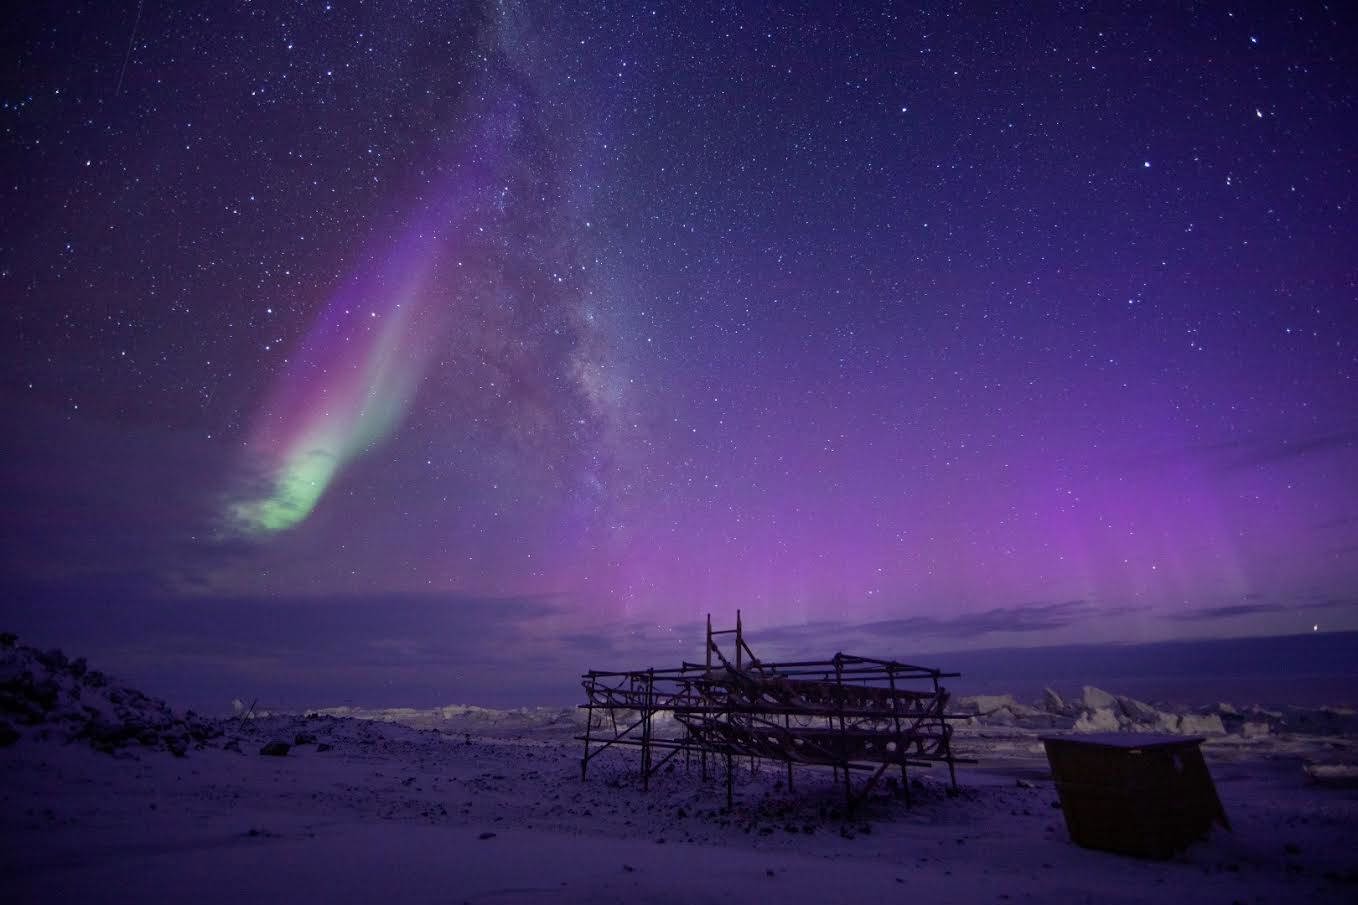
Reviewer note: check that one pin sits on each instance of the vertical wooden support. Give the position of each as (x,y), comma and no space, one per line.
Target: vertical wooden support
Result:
(647,701)
(945,731)
(740,641)
(589,722)
(900,742)
(843,738)
(730,781)
(705,698)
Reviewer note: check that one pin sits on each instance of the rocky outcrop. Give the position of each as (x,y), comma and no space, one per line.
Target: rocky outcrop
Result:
(46,693)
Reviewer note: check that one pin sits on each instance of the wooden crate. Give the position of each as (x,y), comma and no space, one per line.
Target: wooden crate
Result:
(1137,794)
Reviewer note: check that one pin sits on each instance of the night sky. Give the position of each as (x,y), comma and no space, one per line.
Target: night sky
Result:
(393,344)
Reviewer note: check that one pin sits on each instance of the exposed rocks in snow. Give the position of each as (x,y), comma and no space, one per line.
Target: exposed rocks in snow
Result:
(275,749)
(45,692)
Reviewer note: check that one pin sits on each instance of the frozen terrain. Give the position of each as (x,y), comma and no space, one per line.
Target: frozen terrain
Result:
(111,796)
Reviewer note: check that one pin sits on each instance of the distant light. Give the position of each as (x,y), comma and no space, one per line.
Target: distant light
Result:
(1315,628)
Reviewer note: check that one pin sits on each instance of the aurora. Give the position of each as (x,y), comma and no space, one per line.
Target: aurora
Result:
(360,365)
(350,387)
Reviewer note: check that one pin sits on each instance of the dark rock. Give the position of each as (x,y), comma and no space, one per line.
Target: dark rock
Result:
(323,746)
(276,749)
(486,835)
(8,734)
(304,738)
(201,730)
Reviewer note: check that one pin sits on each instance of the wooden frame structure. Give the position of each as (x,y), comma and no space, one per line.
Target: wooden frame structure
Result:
(849,713)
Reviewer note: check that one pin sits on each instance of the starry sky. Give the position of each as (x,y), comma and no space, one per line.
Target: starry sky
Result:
(355,345)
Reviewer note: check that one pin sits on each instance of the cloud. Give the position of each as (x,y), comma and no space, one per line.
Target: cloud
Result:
(1254,454)
(1231,611)
(124,506)
(637,646)
(1210,614)
(1033,617)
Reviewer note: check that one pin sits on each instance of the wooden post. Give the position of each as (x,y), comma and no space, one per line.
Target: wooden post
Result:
(843,735)
(589,722)
(900,744)
(707,648)
(945,731)
(646,730)
(739,643)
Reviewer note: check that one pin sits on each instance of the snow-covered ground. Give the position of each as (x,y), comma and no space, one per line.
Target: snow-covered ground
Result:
(490,807)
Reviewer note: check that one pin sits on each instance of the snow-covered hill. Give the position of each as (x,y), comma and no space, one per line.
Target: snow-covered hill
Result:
(45,694)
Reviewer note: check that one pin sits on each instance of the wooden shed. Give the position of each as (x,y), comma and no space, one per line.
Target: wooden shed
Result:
(1134,793)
